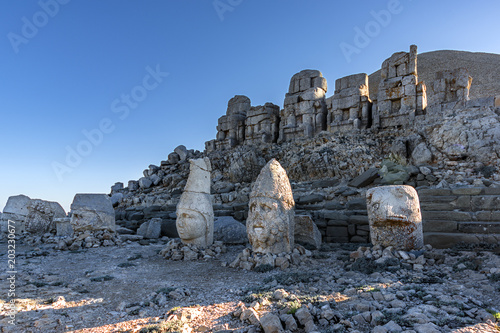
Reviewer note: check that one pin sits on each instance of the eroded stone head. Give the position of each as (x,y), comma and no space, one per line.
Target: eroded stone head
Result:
(195,215)
(394,216)
(270,223)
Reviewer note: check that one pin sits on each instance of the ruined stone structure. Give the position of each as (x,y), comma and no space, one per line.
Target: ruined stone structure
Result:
(270,223)
(195,215)
(395,218)
(450,87)
(400,96)
(304,113)
(350,107)
(231,127)
(262,124)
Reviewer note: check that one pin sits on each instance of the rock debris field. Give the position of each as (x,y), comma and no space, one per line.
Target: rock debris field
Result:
(340,288)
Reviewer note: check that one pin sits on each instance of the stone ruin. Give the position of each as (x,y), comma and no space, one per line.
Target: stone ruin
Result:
(401,100)
(350,106)
(304,112)
(34,216)
(246,124)
(400,96)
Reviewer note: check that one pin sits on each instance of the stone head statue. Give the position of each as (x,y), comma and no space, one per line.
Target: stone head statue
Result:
(195,214)
(270,223)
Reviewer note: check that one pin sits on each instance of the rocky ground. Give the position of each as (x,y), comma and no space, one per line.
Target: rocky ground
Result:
(131,288)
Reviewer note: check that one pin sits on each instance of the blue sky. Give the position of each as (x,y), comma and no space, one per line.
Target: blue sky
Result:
(142,77)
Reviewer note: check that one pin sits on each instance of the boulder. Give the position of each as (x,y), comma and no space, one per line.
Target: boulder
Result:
(271,323)
(17,205)
(116,198)
(229,231)
(173,158)
(145,182)
(182,152)
(151,229)
(306,232)
(92,212)
(421,154)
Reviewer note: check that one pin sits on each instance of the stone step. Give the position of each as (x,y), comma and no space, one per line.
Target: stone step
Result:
(443,240)
(479,227)
(446,216)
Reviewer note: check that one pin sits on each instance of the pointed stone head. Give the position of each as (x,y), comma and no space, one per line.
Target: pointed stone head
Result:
(270,223)
(195,214)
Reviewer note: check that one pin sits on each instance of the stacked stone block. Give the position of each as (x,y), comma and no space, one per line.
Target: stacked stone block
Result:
(450,86)
(231,127)
(350,106)
(262,124)
(304,113)
(400,96)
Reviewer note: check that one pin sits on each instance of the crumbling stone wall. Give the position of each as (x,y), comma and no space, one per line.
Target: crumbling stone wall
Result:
(304,113)
(400,96)
(350,106)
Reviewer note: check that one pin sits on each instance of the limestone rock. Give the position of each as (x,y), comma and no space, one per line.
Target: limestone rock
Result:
(229,231)
(18,205)
(270,223)
(195,215)
(63,226)
(117,187)
(394,217)
(40,215)
(271,323)
(182,152)
(306,232)
(421,154)
(151,229)
(92,212)
(145,182)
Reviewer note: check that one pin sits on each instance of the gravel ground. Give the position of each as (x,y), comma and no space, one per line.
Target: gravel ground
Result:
(130,288)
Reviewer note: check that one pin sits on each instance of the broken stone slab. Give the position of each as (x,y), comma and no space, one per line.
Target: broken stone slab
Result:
(395,218)
(229,231)
(365,179)
(63,227)
(132,238)
(18,205)
(92,212)
(306,232)
(41,214)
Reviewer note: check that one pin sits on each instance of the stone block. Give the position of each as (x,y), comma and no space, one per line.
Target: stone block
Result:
(359,219)
(479,227)
(446,215)
(488,215)
(365,179)
(229,231)
(92,212)
(447,240)
(306,232)
(440,226)
(336,232)
(467,190)
(485,202)
(63,227)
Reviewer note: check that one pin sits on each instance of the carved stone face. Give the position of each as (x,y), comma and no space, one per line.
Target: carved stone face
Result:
(191,225)
(269,226)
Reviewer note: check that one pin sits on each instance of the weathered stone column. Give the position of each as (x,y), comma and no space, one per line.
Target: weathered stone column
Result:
(270,223)
(195,213)
(395,218)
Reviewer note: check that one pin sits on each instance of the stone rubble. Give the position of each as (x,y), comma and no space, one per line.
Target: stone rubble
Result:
(177,250)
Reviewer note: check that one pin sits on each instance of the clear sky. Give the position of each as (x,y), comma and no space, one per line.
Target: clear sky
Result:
(94,91)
